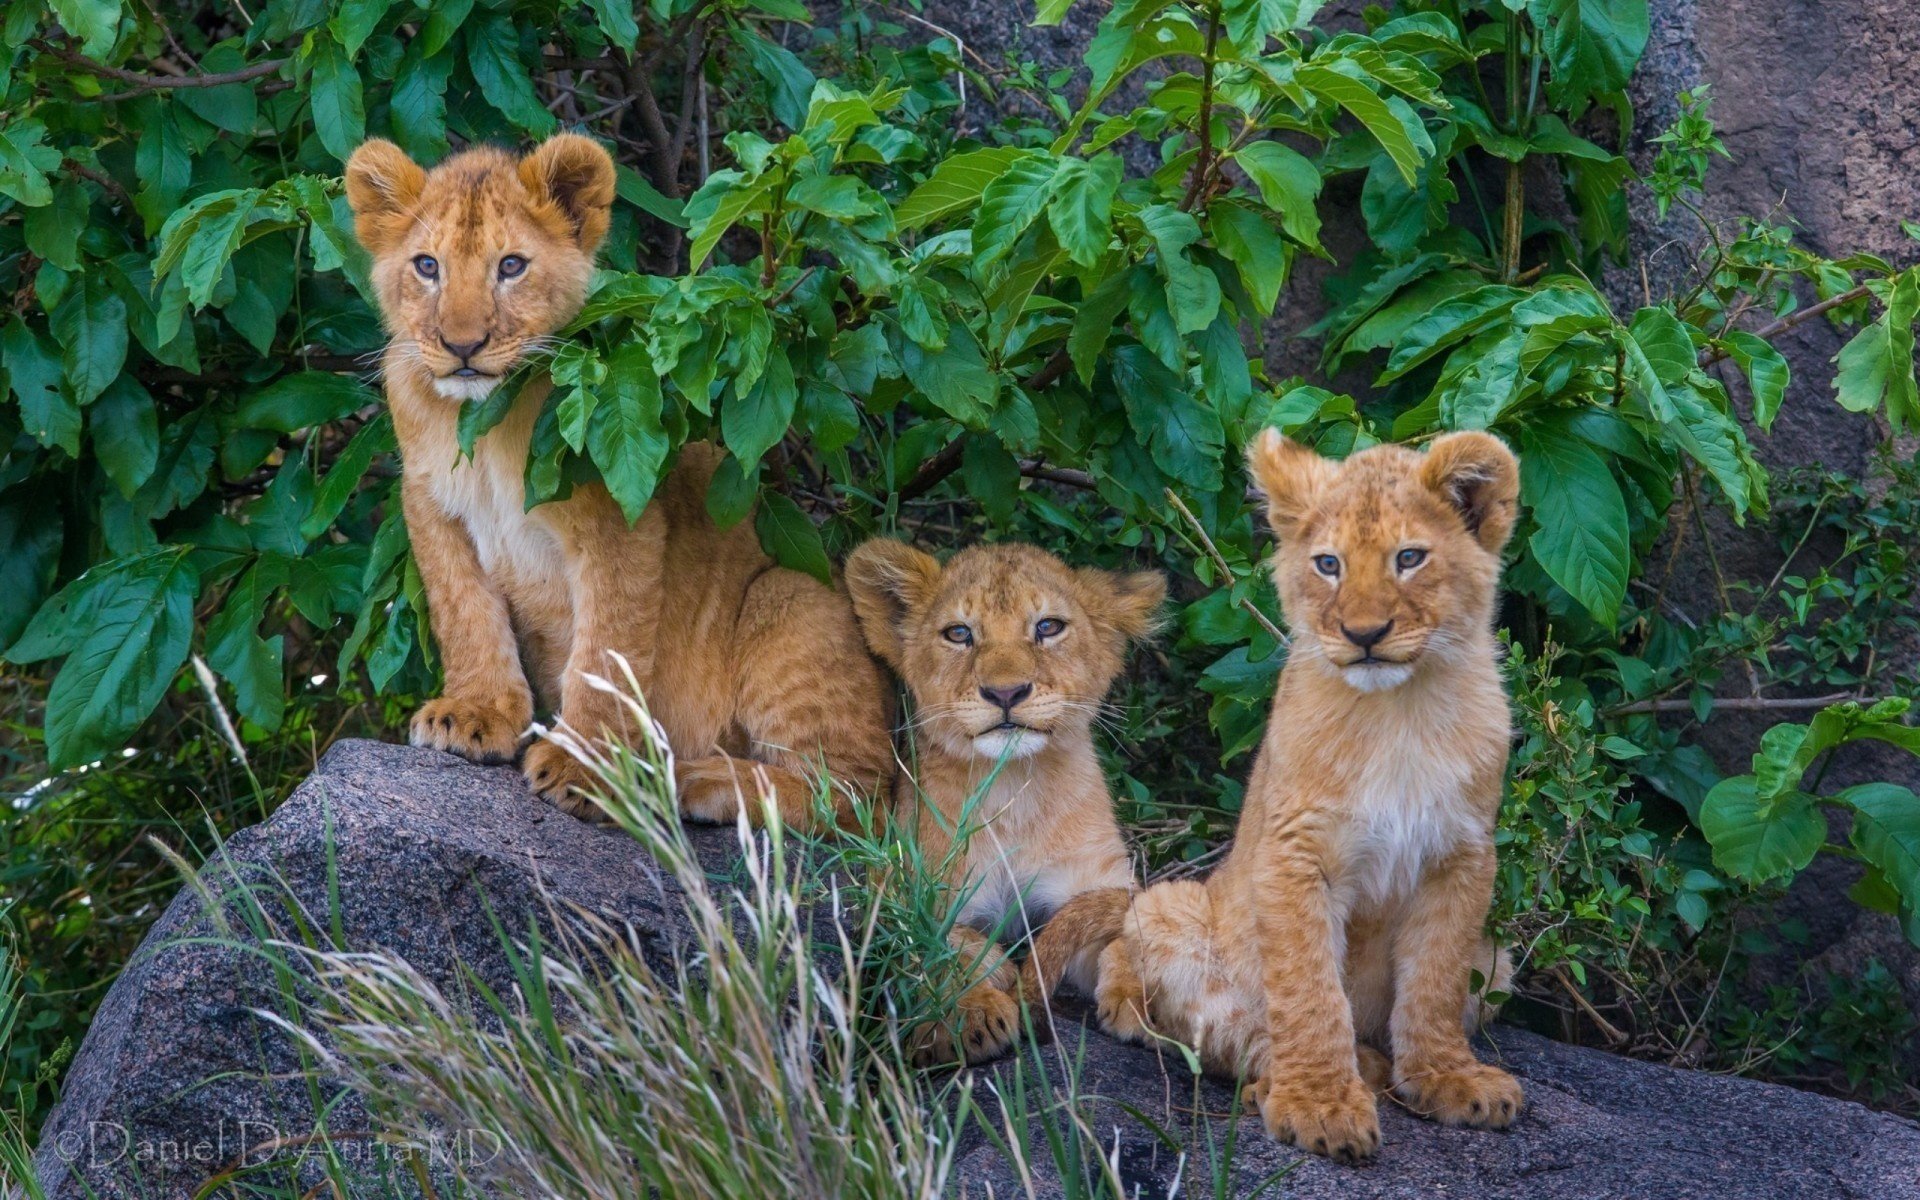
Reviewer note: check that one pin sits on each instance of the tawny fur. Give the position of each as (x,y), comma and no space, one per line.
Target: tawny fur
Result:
(1029,806)
(756,673)
(1346,923)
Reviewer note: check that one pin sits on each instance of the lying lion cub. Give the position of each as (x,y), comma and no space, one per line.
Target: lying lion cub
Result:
(1349,916)
(1008,653)
(476,263)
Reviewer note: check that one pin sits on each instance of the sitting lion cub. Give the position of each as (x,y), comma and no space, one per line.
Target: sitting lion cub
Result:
(1008,653)
(1349,917)
(476,262)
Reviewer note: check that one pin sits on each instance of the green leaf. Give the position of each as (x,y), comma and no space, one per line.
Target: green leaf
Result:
(235,649)
(343,478)
(96,23)
(1371,110)
(47,410)
(1009,205)
(731,492)
(1756,840)
(24,163)
(624,437)
(164,162)
(616,21)
(417,106)
(1593,45)
(301,401)
(91,325)
(790,536)
(789,82)
(53,230)
(493,55)
(339,116)
(1886,831)
(955,184)
(1767,374)
(1184,437)
(1081,210)
(31,531)
(1193,293)
(124,627)
(1877,365)
(126,434)
(354,22)
(752,424)
(1289,184)
(1582,540)
(991,476)
(1254,249)
(722,200)
(1093,324)
(1460,317)
(1251,22)
(956,379)
(1660,362)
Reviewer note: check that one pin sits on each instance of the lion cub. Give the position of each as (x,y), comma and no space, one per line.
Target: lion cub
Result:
(1349,916)
(1009,654)
(754,671)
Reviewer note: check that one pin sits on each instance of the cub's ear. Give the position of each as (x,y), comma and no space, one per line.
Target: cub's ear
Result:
(1126,601)
(1290,476)
(1480,478)
(888,581)
(575,175)
(382,186)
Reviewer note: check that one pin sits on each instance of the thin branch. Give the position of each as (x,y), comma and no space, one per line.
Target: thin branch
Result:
(1734,703)
(1226,572)
(142,84)
(1714,354)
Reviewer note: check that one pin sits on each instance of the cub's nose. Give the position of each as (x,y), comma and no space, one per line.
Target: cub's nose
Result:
(1006,697)
(463,350)
(1367,639)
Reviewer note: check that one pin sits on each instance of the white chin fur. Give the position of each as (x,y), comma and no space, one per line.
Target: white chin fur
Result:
(1012,743)
(1376,677)
(465,387)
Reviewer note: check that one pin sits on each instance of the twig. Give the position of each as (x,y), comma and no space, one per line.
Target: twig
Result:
(1736,703)
(1714,354)
(1220,562)
(143,84)
(1613,1033)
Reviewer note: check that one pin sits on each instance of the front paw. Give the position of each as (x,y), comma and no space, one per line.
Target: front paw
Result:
(1475,1095)
(561,780)
(1121,1012)
(1338,1118)
(481,731)
(988,1018)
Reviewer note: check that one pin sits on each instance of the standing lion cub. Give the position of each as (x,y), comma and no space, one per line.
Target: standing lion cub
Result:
(754,671)
(1348,919)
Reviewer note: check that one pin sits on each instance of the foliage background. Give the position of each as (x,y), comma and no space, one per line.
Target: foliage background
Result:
(912,311)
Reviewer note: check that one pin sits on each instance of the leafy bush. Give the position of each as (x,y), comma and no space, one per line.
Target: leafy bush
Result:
(881,312)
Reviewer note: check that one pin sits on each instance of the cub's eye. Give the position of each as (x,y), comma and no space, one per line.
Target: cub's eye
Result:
(1409,558)
(1327,564)
(1047,627)
(959,635)
(512,266)
(427,265)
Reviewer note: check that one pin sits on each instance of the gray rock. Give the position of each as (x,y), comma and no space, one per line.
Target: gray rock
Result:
(179,1078)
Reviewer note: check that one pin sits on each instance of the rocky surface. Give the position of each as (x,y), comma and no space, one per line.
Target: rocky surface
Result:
(180,1079)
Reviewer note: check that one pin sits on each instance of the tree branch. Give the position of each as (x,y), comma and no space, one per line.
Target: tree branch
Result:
(143,84)
(1734,703)
(1714,354)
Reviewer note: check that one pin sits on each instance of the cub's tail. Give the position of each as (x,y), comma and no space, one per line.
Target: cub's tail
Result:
(1069,946)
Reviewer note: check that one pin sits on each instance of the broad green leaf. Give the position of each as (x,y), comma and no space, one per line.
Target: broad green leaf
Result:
(956,380)
(1289,184)
(91,325)
(724,199)
(1481,379)
(616,21)
(1371,110)
(1251,22)
(791,537)
(1759,841)
(1193,293)
(1767,374)
(1184,437)
(1461,317)
(164,162)
(1593,45)
(95,23)
(1877,365)
(1660,362)
(31,532)
(126,434)
(355,20)
(343,478)
(25,163)
(1255,250)
(1886,831)
(303,400)
(493,55)
(1081,210)
(625,438)
(789,82)
(1582,539)
(47,410)
(339,115)
(417,106)
(235,649)
(1093,323)
(731,492)
(752,424)
(1010,204)
(124,627)
(53,230)
(955,184)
